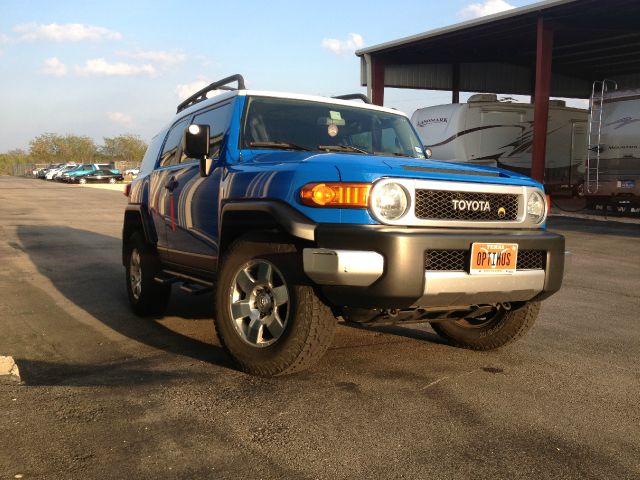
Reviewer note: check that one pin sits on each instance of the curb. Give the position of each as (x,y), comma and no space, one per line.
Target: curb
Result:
(9,372)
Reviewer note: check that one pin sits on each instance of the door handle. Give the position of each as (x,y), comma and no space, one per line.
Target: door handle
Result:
(171,184)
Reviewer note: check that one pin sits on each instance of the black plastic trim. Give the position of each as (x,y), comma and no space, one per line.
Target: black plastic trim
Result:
(201,95)
(291,220)
(402,282)
(354,96)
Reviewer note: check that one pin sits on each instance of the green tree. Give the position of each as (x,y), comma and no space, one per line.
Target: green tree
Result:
(13,162)
(54,148)
(127,148)
(45,148)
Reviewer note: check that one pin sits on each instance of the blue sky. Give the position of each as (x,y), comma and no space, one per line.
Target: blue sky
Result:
(103,68)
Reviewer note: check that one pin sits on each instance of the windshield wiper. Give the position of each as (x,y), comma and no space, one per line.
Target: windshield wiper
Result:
(343,148)
(278,144)
(395,154)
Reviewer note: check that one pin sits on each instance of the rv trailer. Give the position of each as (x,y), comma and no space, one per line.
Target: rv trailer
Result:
(485,131)
(614,148)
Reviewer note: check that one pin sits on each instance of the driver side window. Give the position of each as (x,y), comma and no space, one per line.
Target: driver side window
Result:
(171,146)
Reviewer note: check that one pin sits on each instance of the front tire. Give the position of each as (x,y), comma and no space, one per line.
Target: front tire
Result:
(267,317)
(82,181)
(146,296)
(112,181)
(493,330)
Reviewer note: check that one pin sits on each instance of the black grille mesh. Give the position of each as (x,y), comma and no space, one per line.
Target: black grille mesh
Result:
(531,259)
(458,260)
(439,204)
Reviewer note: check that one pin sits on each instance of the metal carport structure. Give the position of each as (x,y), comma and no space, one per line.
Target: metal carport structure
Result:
(553,48)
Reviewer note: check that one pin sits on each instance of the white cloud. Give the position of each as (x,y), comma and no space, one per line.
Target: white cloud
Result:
(488,7)
(100,67)
(163,57)
(54,67)
(185,90)
(69,32)
(342,47)
(121,118)
(5,39)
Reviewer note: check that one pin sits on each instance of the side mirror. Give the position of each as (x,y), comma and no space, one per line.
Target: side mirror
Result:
(428,151)
(195,144)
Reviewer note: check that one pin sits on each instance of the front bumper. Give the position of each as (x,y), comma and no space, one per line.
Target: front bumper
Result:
(401,280)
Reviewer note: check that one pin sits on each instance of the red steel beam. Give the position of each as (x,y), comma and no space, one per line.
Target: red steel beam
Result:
(544,54)
(377,81)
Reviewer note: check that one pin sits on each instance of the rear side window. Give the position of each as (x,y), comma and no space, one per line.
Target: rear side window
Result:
(151,155)
(218,120)
(170,150)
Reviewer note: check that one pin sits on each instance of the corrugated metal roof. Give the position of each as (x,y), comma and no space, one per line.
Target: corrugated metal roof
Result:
(592,40)
(535,7)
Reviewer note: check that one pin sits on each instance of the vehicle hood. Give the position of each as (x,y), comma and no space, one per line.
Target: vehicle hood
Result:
(368,168)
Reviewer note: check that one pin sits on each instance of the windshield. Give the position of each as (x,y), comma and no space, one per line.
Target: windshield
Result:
(306,125)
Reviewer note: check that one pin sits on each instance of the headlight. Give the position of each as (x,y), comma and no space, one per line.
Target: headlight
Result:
(536,207)
(389,201)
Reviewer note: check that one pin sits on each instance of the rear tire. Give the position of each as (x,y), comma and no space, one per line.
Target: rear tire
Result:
(146,296)
(82,181)
(497,329)
(267,317)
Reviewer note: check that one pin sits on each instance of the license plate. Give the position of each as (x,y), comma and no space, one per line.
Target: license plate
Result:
(627,184)
(493,258)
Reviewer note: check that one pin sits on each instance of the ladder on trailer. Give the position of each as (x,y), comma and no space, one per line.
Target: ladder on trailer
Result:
(594,147)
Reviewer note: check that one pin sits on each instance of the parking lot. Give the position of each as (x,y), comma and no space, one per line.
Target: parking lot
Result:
(105,394)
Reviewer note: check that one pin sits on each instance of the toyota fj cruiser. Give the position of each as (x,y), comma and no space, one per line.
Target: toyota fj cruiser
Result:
(296,210)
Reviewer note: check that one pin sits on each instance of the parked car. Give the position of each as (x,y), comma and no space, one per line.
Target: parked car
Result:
(63,170)
(98,176)
(83,169)
(43,172)
(296,209)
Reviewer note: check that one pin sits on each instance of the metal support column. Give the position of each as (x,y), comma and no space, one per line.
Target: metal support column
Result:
(544,53)
(377,81)
(455,83)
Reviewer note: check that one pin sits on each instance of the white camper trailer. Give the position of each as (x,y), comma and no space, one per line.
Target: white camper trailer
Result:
(614,158)
(486,131)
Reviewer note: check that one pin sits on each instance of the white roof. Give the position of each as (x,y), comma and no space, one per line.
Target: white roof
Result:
(226,94)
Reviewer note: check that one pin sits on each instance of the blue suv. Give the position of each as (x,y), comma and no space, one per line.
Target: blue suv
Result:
(297,210)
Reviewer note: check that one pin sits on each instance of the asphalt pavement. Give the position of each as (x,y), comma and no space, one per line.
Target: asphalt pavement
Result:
(104,394)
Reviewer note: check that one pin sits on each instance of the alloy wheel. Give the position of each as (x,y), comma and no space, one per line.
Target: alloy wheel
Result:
(135,274)
(259,303)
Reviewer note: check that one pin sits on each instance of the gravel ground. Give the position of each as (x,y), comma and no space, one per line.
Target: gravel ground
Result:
(107,395)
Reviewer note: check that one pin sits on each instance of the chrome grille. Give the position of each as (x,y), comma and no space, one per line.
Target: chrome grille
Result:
(439,204)
(458,260)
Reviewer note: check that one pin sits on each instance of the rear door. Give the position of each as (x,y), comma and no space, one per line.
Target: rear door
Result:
(160,186)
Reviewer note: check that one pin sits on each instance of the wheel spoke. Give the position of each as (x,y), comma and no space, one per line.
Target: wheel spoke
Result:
(241,309)
(274,325)
(280,295)
(264,273)
(245,282)
(254,331)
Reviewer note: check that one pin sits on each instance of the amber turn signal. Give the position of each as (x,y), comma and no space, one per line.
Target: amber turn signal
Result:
(340,195)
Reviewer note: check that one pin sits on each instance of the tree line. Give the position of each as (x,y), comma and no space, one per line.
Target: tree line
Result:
(53,148)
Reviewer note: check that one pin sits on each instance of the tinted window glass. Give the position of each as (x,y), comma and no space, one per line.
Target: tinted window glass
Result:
(218,120)
(170,150)
(319,126)
(151,155)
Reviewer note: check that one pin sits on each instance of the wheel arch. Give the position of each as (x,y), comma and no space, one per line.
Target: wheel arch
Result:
(239,219)
(136,219)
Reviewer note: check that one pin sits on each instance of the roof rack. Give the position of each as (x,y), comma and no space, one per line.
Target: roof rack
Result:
(354,96)
(201,95)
